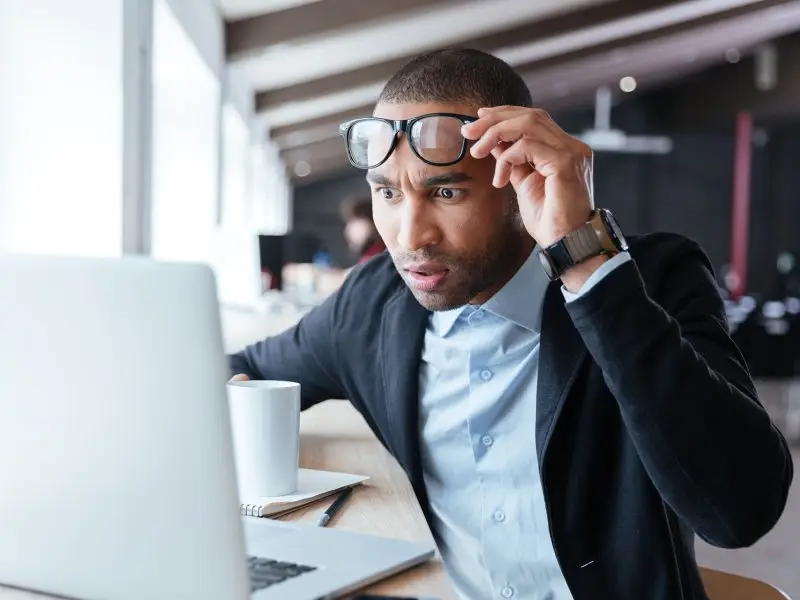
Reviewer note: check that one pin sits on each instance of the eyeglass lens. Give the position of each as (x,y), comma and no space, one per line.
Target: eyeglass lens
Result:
(435,139)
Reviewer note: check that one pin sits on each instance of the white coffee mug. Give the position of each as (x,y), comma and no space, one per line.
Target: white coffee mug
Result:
(265,420)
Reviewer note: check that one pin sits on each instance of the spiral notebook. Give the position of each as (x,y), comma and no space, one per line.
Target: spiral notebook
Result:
(311,486)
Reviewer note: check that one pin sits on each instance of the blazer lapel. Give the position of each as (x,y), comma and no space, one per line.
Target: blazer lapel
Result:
(402,337)
(561,353)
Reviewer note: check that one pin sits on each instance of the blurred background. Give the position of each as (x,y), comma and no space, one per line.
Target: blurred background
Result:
(196,130)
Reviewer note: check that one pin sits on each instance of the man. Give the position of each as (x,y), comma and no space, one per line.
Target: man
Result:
(567,439)
(362,238)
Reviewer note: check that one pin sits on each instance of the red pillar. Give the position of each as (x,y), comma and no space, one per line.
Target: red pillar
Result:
(740,209)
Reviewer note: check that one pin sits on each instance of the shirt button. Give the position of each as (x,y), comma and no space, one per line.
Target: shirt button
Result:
(499,516)
(487,440)
(478,315)
(486,374)
(507,592)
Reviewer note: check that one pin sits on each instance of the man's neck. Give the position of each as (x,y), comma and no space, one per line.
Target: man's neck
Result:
(525,249)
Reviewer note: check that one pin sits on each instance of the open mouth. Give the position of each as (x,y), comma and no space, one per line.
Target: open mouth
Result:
(427,279)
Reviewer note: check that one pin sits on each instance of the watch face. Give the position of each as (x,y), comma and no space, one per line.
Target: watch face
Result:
(614,229)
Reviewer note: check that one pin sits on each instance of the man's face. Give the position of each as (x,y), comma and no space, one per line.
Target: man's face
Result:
(454,238)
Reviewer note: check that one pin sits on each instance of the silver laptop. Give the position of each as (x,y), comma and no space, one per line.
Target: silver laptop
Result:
(117,476)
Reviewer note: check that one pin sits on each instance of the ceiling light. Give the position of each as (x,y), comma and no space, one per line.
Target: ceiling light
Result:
(732,55)
(302,168)
(627,84)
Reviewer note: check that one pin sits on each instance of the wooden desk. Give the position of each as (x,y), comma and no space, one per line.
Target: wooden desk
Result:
(335,437)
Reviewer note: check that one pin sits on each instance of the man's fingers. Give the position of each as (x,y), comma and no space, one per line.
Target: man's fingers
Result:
(493,132)
(505,172)
(240,377)
(476,129)
(510,127)
(530,154)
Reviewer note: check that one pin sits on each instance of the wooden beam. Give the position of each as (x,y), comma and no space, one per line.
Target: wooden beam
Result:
(322,149)
(521,34)
(246,36)
(563,72)
(326,121)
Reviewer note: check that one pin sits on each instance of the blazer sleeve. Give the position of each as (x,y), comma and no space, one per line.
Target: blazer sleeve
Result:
(686,397)
(305,353)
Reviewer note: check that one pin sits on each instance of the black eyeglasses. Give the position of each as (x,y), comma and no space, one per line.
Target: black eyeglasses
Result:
(434,138)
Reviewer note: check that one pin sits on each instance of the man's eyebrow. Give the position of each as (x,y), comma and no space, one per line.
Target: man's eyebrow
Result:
(447,179)
(378,179)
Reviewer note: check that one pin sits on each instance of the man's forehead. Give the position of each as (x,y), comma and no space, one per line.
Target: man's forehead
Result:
(386,173)
(408,110)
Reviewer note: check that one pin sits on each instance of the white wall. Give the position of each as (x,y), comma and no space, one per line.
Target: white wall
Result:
(61,126)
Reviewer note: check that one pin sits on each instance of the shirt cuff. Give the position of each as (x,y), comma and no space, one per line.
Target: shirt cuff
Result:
(606,268)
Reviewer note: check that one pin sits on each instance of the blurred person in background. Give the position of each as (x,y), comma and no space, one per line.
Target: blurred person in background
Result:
(568,405)
(363,242)
(362,237)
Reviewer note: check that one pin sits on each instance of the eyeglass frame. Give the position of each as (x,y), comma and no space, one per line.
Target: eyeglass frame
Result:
(404,126)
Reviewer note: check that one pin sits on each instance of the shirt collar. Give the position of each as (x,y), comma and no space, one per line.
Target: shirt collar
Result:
(520,300)
(443,320)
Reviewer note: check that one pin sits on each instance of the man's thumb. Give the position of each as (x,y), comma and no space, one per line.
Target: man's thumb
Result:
(240,378)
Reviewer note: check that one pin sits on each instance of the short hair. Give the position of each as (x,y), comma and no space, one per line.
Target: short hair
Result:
(356,208)
(457,75)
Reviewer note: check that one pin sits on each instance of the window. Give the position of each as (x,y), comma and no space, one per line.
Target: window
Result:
(186,124)
(61,70)
(272,193)
(236,168)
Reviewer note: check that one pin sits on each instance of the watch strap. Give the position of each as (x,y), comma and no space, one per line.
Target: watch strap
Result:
(560,258)
(583,243)
(579,245)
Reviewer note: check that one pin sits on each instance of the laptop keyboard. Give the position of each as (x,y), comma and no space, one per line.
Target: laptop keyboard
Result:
(265,572)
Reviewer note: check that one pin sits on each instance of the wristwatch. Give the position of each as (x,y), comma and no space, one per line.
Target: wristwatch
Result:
(600,235)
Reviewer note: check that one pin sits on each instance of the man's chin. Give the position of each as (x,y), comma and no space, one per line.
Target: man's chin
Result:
(436,301)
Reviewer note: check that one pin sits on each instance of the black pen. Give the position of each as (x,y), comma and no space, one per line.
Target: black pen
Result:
(334,508)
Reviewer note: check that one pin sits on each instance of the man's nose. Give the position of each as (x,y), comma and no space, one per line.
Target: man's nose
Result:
(418,226)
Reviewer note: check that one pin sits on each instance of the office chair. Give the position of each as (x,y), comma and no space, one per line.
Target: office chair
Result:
(727,586)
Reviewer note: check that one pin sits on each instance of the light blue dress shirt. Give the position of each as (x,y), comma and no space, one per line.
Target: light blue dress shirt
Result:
(477,418)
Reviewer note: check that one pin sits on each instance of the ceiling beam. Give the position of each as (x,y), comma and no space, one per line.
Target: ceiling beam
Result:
(318,150)
(680,53)
(407,34)
(547,51)
(236,10)
(250,35)
(326,121)
(516,35)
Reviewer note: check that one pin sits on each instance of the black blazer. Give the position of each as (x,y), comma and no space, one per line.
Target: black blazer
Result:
(648,426)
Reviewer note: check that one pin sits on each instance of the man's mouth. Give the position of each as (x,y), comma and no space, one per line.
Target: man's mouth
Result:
(426,277)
